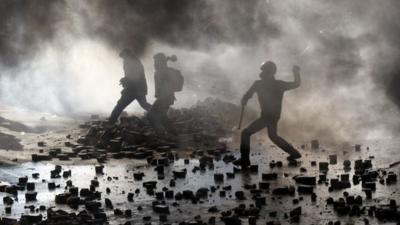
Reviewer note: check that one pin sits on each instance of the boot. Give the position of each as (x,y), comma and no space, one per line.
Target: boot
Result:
(244,163)
(244,160)
(295,155)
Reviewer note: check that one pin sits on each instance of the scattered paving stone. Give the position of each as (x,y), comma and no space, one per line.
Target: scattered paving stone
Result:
(160,208)
(315,144)
(307,180)
(30,196)
(240,195)
(219,177)
(284,191)
(180,174)
(305,189)
(264,185)
(7,200)
(323,166)
(333,159)
(269,176)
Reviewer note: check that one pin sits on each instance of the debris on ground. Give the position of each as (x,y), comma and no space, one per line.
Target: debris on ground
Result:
(202,188)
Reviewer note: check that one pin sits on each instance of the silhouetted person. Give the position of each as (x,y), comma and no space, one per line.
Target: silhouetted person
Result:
(133,83)
(167,81)
(270,94)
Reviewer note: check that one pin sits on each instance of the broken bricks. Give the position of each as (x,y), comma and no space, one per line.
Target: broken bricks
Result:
(323,166)
(219,177)
(314,144)
(99,169)
(30,196)
(289,190)
(180,174)
(40,157)
(8,200)
(307,180)
(337,184)
(333,159)
(269,176)
(160,207)
(295,214)
(391,178)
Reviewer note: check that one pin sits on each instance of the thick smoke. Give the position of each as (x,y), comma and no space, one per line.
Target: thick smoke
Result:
(193,24)
(62,56)
(26,25)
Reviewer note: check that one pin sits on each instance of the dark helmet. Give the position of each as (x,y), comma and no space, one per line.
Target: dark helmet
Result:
(268,66)
(126,53)
(160,57)
(163,58)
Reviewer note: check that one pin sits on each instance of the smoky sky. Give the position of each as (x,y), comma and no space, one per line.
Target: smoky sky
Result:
(132,24)
(24,25)
(196,24)
(191,24)
(349,51)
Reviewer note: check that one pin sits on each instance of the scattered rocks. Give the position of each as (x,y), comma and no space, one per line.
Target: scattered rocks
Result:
(315,144)
(307,180)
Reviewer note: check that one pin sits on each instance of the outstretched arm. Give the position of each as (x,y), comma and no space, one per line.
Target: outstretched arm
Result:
(297,80)
(249,94)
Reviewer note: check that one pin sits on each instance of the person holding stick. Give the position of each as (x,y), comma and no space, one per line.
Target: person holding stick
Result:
(270,94)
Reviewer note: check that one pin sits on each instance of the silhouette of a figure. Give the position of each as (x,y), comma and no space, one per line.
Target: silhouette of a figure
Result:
(167,81)
(270,94)
(133,83)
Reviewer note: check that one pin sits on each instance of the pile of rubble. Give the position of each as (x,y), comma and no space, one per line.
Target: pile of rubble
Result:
(201,125)
(211,117)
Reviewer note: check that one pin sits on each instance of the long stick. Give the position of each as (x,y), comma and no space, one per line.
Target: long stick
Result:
(241,117)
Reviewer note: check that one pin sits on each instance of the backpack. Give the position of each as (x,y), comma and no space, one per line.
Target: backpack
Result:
(176,80)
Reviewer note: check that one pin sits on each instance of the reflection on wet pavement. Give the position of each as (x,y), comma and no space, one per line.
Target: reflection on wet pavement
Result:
(216,193)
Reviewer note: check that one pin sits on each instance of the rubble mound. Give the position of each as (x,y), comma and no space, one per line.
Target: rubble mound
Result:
(207,120)
(204,123)
(200,126)
(210,115)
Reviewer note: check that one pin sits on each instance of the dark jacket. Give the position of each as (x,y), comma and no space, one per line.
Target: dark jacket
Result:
(134,80)
(270,94)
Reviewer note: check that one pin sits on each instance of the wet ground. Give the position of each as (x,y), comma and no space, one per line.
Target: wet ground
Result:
(118,177)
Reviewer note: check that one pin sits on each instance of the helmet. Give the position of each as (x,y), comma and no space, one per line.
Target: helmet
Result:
(160,57)
(125,53)
(268,66)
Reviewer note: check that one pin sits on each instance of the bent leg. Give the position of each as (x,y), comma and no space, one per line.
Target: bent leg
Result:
(167,123)
(156,115)
(159,113)
(254,127)
(143,102)
(122,103)
(279,141)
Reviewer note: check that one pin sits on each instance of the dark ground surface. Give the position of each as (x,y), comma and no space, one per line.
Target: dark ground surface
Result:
(122,183)
(202,197)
